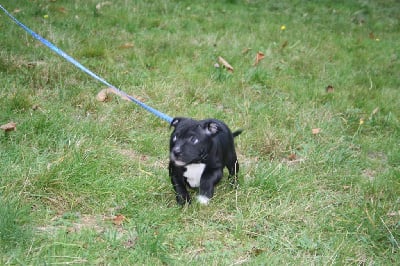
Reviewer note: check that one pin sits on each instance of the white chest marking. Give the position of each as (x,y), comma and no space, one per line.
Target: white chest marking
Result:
(193,173)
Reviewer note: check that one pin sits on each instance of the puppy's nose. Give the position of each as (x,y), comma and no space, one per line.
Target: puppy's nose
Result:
(177,151)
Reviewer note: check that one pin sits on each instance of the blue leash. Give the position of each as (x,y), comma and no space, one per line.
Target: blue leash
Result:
(84,69)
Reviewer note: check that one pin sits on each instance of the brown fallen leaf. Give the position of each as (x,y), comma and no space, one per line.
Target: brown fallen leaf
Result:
(127,45)
(292,157)
(119,219)
(329,89)
(259,56)
(316,131)
(223,62)
(9,127)
(102,96)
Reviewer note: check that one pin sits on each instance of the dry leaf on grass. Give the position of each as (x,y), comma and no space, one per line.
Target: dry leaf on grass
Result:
(292,157)
(119,219)
(316,131)
(102,96)
(223,62)
(127,45)
(259,56)
(9,127)
(329,89)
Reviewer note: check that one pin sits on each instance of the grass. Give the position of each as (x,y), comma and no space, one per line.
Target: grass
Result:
(74,165)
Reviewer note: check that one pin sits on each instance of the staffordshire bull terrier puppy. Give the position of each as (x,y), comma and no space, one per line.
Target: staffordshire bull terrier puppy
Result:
(199,151)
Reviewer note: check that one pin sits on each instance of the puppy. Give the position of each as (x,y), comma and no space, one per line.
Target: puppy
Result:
(199,151)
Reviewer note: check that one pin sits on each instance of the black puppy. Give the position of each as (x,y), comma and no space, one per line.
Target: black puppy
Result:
(199,150)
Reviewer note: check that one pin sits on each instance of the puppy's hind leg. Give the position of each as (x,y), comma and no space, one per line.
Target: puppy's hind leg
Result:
(208,180)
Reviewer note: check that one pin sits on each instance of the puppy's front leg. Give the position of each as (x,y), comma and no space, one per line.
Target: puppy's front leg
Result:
(208,180)
(182,196)
(178,183)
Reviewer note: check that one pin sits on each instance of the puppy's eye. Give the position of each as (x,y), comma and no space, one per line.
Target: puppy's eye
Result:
(193,140)
(174,138)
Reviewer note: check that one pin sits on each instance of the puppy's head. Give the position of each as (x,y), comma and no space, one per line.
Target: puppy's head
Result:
(191,140)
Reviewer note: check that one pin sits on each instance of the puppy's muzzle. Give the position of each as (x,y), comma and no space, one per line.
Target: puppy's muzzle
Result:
(176,152)
(175,156)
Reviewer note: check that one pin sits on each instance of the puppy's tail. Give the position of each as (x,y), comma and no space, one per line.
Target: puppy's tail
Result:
(237,133)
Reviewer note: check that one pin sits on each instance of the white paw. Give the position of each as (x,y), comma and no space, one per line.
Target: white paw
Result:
(203,200)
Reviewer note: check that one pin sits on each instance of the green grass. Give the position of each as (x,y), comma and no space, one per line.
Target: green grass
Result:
(74,163)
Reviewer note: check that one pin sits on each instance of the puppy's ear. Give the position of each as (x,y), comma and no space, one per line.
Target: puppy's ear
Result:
(176,121)
(211,128)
